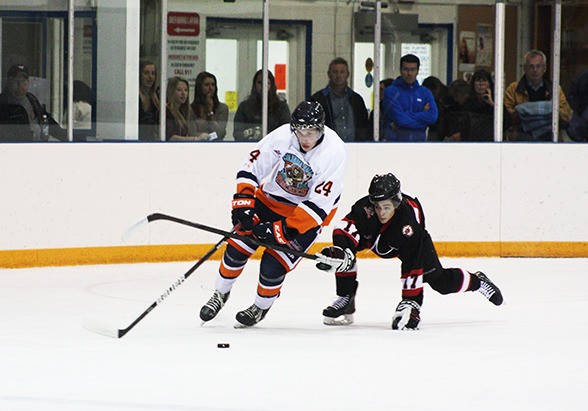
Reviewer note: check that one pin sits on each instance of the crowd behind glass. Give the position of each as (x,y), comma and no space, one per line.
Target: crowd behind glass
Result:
(461,111)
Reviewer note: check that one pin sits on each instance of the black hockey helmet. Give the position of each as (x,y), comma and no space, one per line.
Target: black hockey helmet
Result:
(308,114)
(384,187)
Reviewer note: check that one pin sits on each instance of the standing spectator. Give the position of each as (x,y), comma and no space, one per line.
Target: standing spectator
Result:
(481,108)
(345,110)
(409,108)
(211,114)
(525,102)
(439,91)
(247,126)
(456,123)
(148,102)
(383,84)
(180,119)
(21,113)
(578,95)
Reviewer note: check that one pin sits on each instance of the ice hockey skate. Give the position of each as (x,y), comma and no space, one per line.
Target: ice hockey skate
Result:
(340,312)
(488,289)
(213,306)
(250,316)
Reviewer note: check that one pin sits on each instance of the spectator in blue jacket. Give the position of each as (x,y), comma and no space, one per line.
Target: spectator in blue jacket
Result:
(409,108)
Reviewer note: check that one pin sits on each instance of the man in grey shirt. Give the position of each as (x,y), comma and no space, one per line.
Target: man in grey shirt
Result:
(345,110)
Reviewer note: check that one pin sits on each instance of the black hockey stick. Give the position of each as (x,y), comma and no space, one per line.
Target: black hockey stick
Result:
(118,333)
(245,239)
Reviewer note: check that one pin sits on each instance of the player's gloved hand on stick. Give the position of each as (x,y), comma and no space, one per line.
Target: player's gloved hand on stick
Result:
(243,211)
(335,259)
(407,316)
(273,232)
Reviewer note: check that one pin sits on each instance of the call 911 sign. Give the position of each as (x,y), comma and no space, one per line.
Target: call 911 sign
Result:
(184,48)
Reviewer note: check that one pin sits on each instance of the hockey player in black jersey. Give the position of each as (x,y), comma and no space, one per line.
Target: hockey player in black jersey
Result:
(392,224)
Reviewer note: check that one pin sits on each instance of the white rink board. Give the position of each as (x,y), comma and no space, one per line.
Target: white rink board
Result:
(85,195)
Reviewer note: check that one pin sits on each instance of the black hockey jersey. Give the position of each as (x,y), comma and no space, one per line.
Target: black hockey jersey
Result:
(404,236)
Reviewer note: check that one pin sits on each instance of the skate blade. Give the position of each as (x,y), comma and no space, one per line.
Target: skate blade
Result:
(345,319)
(238,325)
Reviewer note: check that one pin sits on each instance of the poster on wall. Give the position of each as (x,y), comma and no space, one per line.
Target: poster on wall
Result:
(484,45)
(467,50)
(185,47)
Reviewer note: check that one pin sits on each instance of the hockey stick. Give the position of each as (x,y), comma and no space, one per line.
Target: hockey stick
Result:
(245,239)
(118,333)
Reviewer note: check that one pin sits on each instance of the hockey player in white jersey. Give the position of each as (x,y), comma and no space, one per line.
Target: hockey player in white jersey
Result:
(287,189)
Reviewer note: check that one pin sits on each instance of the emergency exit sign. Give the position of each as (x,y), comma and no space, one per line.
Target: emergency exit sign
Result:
(183,24)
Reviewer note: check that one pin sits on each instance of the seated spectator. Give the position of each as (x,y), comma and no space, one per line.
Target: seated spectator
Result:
(21,113)
(82,106)
(148,102)
(409,108)
(211,114)
(457,122)
(247,126)
(383,84)
(439,91)
(528,102)
(345,110)
(180,119)
(578,98)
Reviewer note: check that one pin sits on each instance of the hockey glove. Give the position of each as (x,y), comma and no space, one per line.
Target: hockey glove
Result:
(335,259)
(243,211)
(273,232)
(407,316)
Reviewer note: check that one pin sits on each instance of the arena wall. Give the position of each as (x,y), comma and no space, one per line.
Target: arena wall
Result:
(70,204)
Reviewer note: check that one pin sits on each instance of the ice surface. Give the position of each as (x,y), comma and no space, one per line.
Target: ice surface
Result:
(529,354)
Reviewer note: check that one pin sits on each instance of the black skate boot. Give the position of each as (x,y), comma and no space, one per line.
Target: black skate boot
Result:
(250,316)
(488,289)
(213,306)
(340,312)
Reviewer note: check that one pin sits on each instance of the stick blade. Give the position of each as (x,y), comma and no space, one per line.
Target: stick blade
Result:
(133,229)
(101,329)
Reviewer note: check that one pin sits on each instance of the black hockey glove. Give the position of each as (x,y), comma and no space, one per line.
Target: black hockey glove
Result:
(273,232)
(335,259)
(243,211)
(407,316)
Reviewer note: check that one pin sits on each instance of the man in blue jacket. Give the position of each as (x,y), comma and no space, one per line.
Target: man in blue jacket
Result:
(409,108)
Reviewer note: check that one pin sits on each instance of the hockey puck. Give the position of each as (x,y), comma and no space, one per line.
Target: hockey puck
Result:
(223,345)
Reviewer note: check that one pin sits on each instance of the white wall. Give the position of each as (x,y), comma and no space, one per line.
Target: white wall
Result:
(85,195)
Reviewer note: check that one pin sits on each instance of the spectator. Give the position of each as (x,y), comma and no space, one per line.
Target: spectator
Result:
(345,110)
(21,113)
(148,102)
(481,108)
(247,123)
(409,108)
(456,123)
(211,114)
(82,105)
(439,91)
(578,95)
(526,104)
(180,119)
(383,84)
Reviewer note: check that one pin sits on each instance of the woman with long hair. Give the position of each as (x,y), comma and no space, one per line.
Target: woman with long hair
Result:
(211,114)
(180,119)
(148,101)
(248,116)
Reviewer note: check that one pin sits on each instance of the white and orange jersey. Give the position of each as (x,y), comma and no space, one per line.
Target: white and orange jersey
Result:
(303,187)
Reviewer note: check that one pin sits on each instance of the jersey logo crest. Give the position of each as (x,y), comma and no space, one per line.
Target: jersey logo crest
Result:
(294,177)
(407,230)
